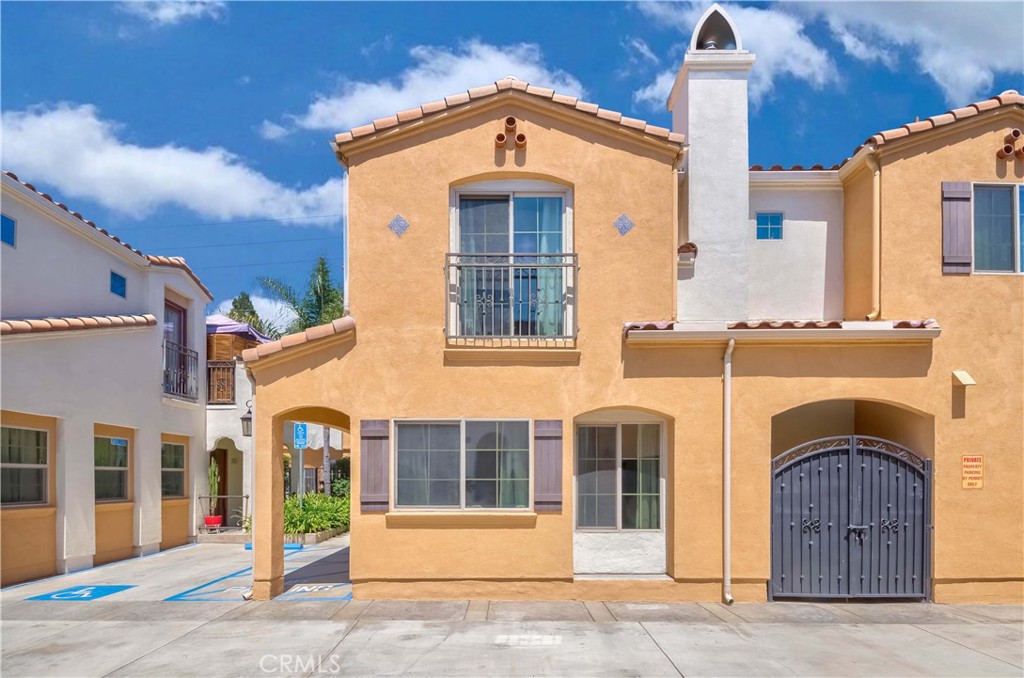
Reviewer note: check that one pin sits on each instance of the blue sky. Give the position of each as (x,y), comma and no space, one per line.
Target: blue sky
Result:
(160,121)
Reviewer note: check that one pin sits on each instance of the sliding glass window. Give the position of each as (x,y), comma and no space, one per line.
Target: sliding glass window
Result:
(618,477)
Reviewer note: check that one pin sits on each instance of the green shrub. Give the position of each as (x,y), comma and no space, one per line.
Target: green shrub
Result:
(341,487)
(318,512)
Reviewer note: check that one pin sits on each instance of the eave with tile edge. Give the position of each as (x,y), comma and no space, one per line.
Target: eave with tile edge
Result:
(76,220)
(60,326)
(788,332)
(301,343)
(501,92)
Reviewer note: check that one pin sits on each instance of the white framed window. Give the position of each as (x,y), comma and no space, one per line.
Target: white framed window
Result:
(111,463)
(998,228)
(462,464)
(619,476)
(172,470)
(769,225)
(24,466)
(512,267)
(8,230)
(118,284)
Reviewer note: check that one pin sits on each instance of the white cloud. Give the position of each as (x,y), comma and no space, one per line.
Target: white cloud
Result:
(272,131)
(274,311)
(655,94)
(639,50)
(171,12)
(82,155)
(783,48)
(436,73)
(960,45)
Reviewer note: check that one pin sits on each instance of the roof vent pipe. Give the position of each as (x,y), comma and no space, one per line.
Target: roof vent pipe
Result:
(500,139)
(1005,152)
(510,125)
(520,141)
(1019,153)
(1012,136)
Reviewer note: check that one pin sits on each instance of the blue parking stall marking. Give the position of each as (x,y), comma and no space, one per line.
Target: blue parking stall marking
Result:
(231,589)
(82,593)
(65,575)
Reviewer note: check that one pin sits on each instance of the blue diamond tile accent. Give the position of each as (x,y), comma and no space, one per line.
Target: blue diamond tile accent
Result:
(623,224)
(399,225)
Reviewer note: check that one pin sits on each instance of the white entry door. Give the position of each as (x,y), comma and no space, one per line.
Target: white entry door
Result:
(620,489)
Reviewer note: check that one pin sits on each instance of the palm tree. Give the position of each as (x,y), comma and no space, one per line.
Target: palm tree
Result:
(322,302)
(243,311)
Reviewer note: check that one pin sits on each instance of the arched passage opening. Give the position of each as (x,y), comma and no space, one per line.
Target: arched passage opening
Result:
(269,489)
(621,480)
(851,501)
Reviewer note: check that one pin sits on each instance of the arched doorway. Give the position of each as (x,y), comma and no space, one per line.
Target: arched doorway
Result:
(851,513)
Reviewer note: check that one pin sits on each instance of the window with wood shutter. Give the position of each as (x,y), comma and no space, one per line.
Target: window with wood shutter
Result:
(956,227)
(373,465)
(547,450)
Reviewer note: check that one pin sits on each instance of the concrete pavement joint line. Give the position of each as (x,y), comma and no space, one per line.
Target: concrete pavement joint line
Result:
(972,649)
(146,654)
(658,645)
(729,617)
(333,650)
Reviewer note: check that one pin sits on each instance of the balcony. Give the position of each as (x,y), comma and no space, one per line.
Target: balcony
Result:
(519,299)
(181,371)
(220,382)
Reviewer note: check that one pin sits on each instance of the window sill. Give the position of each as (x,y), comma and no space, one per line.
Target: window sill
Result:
(113,505)
(544,353)
(29,510)
(180,401)
(460,519)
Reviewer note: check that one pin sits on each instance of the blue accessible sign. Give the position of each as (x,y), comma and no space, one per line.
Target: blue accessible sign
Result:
(301,439)
(81,593)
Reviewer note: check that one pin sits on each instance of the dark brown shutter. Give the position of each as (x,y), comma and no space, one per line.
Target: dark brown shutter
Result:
(373,465)
(547,465)
(956,227)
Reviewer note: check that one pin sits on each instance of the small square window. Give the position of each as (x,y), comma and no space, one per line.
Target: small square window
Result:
(769,225)
(118,284)
(7,231)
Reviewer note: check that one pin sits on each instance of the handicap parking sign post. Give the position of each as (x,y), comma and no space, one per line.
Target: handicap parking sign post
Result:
(301,439)
(82,593)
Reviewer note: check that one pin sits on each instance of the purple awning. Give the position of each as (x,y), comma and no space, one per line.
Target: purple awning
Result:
(221,324)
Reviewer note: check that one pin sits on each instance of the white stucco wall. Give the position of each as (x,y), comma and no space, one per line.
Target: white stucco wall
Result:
(710,107)
(95,376)
(801,276)
(224,429)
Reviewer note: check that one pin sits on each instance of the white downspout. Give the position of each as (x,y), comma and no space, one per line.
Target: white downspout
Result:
(727,474)
(876,238)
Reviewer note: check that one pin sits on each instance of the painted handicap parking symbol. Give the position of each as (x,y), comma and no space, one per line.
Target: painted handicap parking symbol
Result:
(318,592)
(82,593)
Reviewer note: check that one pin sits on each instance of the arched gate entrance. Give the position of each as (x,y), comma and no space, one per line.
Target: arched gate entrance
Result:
(850,519)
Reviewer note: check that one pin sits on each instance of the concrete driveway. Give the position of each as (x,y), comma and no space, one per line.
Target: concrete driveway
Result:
(181,614)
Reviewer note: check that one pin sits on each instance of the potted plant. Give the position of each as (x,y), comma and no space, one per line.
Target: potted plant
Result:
(213,480)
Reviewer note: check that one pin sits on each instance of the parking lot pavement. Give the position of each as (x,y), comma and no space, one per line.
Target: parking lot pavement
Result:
(180,613)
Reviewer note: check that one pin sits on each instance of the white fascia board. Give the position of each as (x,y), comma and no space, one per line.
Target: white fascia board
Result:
(72,223)
(801,336)
(75,334)
(795,179)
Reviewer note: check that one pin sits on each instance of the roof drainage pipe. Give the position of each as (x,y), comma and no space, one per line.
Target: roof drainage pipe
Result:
(727,473)
(876,238)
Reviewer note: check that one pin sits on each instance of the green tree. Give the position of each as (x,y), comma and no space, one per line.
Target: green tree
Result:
(319,304)
(243,311)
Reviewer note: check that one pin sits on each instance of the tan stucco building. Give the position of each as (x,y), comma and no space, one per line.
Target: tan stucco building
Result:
(591,358)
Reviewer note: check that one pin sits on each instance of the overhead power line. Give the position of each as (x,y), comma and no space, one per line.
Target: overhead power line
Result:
(175,248)
(229,223)
(265,263)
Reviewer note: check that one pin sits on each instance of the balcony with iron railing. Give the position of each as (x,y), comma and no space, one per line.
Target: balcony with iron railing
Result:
(181,371)
(220,382)
(510,298)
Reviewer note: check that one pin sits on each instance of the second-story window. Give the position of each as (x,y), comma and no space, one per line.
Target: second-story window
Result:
(512,271)
(769,225)
(118,284)
(8,230)
(999,228)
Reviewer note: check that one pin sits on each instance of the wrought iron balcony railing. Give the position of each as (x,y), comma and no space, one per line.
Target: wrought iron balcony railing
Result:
(181,371)
(511,296)
(220,382)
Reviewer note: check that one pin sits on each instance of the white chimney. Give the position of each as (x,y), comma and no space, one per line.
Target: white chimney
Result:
(709,105)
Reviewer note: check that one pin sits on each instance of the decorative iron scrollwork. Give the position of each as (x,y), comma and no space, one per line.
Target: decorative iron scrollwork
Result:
(879,445)
(809,449)
(810,525)
(891,525)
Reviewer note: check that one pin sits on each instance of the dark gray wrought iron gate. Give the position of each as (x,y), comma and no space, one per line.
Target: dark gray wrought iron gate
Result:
(850,519)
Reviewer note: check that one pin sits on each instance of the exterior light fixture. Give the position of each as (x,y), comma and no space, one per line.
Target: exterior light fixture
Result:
(247,420)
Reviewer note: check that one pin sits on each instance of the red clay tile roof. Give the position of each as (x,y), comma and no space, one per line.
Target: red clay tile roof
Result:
(70,324)
(339,326)
(175,262)
(787,325)
(1008,98)
(506,85)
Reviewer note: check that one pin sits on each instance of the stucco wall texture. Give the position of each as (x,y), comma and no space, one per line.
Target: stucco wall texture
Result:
(398,365)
